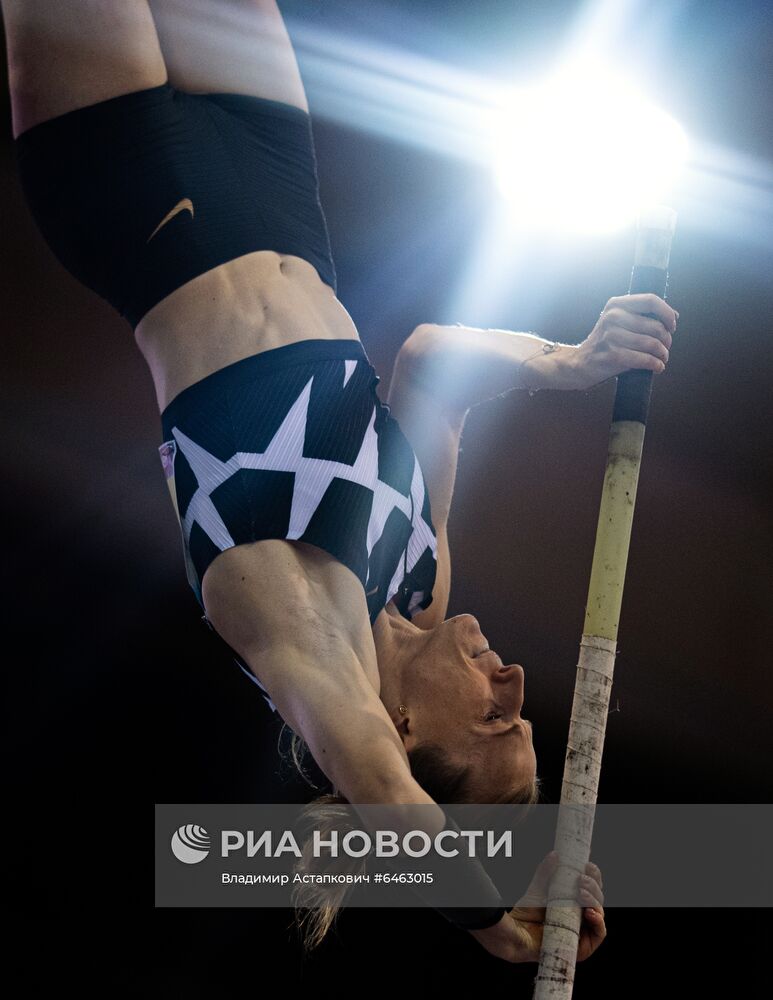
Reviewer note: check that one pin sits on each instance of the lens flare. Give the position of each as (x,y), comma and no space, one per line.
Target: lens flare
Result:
(583,152)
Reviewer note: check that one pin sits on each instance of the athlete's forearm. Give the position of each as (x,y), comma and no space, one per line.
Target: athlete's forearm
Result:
(463,366)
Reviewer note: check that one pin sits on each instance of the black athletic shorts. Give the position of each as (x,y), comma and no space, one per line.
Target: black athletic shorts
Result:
(295,443)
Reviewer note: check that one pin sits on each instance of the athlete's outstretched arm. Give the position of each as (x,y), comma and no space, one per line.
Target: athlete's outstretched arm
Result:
(463,366)
(443,371)
(439,373)
(298,618)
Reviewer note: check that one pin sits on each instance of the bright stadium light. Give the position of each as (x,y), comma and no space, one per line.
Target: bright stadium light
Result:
(583,152)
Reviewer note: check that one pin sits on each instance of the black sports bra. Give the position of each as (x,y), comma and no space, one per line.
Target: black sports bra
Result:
(138,194)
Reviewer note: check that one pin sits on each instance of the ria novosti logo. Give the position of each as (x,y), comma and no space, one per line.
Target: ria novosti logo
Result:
(190,844)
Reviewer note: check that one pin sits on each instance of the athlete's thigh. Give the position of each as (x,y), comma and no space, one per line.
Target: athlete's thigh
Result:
(233,46)
(67,54)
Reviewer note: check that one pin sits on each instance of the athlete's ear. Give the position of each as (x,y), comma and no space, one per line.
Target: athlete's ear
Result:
(402,723)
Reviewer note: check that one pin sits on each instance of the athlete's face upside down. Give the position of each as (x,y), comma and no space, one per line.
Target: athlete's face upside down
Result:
(445,686)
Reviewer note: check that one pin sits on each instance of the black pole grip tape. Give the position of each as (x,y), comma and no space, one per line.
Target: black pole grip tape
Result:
(634,387)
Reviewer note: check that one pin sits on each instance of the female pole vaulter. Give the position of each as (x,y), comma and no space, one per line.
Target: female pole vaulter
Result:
(170,167)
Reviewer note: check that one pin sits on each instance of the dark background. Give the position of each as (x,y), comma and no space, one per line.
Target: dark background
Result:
(119,693)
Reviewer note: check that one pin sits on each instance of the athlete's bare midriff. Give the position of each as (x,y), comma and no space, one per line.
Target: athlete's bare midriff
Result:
(251,304)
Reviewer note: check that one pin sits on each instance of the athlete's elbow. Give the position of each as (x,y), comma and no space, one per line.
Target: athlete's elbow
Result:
(418,357)
(422,343)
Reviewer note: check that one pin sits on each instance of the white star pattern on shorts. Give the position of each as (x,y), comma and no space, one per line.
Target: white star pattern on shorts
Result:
(313,476)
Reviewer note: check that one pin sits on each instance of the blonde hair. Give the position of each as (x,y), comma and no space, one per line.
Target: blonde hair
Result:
(317,907)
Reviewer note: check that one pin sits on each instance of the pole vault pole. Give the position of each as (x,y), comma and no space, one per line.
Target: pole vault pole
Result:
(598,645)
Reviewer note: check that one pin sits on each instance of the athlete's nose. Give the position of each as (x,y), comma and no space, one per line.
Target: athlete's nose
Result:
(507,673)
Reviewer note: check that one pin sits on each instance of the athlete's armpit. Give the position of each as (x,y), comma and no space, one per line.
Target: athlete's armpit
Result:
(167,451)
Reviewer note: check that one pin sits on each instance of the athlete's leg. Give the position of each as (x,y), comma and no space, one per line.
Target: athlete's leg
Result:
(67,54)
(232,46)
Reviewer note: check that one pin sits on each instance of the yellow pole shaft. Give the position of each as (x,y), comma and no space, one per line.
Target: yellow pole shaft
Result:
(613,533)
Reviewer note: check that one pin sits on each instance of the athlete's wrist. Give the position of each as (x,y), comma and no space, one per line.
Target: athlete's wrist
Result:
(552,367)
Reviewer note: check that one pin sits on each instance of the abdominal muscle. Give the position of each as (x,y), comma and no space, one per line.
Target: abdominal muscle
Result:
(254,303)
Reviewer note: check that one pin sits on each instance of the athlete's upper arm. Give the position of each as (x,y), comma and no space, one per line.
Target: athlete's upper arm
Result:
(297,617)
(434,435)
(436,612)
(330,703)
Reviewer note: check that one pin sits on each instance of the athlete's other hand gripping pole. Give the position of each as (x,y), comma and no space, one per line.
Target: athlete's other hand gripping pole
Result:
(598,646)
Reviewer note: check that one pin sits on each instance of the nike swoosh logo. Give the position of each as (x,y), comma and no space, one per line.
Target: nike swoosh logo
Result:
(181,206)
(369,593)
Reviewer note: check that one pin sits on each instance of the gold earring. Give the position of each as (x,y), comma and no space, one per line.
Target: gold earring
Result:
(402,709)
